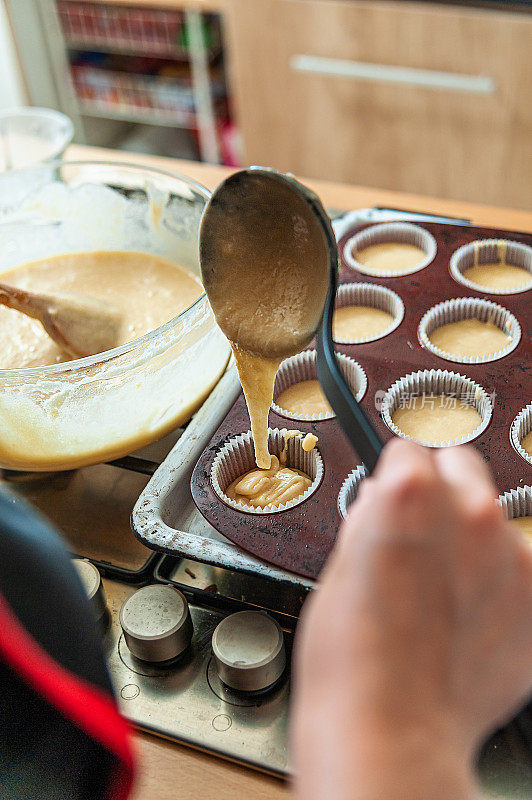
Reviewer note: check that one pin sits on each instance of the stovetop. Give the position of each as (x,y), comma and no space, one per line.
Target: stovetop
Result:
(184,699)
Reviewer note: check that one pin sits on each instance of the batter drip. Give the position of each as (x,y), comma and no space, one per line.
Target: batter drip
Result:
(305,397)
(469,337)
(274,486)
(351,323)
(497,275)
(390,257)
(436,418)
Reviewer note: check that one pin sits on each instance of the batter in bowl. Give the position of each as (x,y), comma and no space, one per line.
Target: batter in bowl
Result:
(148,290)
(397,257)
(305,397)
(469,337)
(351,323)
(436,418)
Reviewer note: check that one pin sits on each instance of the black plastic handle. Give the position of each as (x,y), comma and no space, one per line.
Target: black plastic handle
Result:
(352,418)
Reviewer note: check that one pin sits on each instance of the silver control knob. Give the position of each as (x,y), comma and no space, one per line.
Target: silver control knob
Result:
(92,583)
(156,623)
(249,651)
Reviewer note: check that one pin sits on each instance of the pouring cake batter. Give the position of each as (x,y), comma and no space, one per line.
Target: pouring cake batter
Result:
(266,282)
(148,290)
(274,486)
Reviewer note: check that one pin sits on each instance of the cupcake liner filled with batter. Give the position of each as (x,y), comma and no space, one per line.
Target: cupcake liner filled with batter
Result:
(365,312)
(521,433)
(437,408)
(297,393)
(469,330)
(349,490)
(517,507)
(493,266)
(390,249)
(237,458)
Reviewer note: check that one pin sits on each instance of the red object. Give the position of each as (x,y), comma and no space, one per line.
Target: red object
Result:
(86,706)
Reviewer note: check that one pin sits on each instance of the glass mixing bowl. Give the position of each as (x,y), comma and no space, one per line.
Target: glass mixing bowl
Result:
(29,135)
(98,408)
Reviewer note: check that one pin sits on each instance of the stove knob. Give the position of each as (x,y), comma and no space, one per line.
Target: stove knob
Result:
(92,582)
(156,623)
(249,651)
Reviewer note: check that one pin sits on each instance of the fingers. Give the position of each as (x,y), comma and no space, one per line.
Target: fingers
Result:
(466,472)
(401,499)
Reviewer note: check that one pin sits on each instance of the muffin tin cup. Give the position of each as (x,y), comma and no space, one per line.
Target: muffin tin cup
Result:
(456,387)
(237,457)
(302,367)
(462,308)
(521,427)
(349,490)
(487,250)
(391,233)
(517,502)
(370,294)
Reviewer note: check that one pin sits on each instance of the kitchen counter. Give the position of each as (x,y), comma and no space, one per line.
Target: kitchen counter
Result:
(168,771)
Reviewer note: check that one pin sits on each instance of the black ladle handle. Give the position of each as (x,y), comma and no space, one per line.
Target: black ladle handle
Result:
(353,420)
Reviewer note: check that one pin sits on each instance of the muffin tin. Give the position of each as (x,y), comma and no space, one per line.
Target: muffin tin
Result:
(300,538)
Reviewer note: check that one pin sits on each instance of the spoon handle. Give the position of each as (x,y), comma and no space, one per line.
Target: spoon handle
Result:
(353,420)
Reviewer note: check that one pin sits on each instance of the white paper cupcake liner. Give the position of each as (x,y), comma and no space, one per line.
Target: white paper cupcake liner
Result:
(237,457)
(400,232)
(349,489)
(469,308)
(516,254)
(521,427)
(517,502)
(370,294)
(458,388)
(302,367)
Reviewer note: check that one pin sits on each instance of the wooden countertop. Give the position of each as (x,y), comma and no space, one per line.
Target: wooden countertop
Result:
(168,771)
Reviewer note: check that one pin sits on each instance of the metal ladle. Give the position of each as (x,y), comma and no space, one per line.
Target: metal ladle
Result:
(269,263)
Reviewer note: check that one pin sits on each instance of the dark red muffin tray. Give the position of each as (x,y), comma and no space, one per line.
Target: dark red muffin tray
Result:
(301,538)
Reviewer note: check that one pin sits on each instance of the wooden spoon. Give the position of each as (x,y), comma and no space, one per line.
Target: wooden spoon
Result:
(79,325)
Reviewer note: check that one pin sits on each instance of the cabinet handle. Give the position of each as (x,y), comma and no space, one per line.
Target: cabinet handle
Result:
(384,73)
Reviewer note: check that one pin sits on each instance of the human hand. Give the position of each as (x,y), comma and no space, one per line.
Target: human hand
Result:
(418,642)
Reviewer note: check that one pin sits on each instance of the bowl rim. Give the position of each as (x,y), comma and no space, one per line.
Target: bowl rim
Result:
(76,364)
(50,114)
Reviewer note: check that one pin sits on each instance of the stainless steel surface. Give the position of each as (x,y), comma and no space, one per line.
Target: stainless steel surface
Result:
(156,623)
(165,517)
(92,582)
(248,649)
(186,700)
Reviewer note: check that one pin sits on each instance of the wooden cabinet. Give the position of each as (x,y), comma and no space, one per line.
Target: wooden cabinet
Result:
(412,96)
